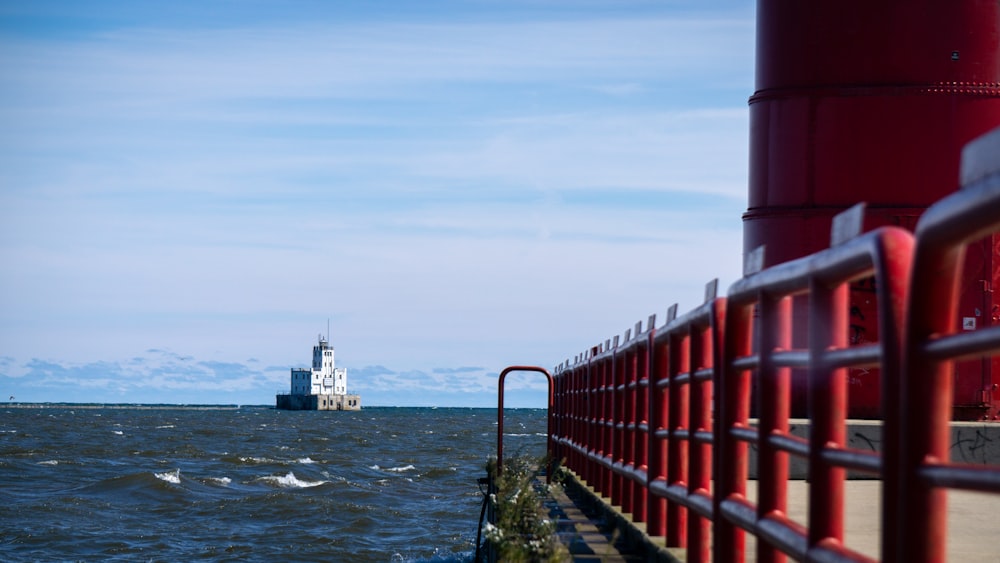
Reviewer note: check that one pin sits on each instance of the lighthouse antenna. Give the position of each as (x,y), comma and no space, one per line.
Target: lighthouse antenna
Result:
(328,329)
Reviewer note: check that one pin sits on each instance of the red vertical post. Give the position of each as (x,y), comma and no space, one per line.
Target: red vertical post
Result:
(732,402)
(828,329)
(643,425)
(585,431)
(927,397)
(576,432)
(588,440)
(594,428)
(571,419)
(658,414)
(595,443)
(617,422)
(607,421)
(557,414)
(591,439)
(700,472)
(627,423)
(677,456)
(774,387)
(580,422)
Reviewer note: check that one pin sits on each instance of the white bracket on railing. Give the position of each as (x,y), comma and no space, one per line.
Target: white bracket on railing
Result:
(711,290)
(847,224)
(980,158)
(753,262)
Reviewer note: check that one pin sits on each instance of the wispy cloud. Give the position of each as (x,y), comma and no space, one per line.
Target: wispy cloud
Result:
(428,180)
(150,67)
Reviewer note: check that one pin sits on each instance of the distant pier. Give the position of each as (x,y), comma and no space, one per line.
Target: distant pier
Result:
(123,406)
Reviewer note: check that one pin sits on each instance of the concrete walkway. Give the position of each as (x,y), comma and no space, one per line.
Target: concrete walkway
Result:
(593,530)
(583,528)
(973,520)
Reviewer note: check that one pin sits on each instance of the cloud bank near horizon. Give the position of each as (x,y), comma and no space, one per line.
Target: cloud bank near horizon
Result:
(161,376)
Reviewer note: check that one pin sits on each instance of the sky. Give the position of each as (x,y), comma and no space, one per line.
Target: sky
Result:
(191,192)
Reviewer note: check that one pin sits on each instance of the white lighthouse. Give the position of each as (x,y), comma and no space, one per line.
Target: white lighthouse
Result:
(322,387)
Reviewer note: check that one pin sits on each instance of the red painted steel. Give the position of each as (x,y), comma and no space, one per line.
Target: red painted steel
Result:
(703,362)
(605,423)
(696,372)
(634,358)
(641,466)
(849,94)
(935,344)
(551,414)
(658,427)
(616,424)
(824,277)
(677,449)
(683,376)
(854,101)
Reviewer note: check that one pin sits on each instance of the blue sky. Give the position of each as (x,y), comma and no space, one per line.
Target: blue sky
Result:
(189,191)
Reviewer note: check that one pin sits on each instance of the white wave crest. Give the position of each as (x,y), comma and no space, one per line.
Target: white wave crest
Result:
(170,476)
(305,460)
(221,481)
(290,480)
(48,462)
(118,432)
(401,469)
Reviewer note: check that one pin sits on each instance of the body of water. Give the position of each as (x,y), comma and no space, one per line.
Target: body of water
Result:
(248,484)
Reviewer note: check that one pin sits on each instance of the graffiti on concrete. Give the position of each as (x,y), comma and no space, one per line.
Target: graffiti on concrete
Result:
(973,446)
(862,440)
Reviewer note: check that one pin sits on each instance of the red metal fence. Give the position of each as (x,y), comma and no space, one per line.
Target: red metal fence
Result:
(648,421)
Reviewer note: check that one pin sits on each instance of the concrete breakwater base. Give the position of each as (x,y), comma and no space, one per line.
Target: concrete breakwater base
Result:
(971,442)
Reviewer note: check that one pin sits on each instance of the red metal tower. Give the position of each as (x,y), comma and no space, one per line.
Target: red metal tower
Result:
(872,101)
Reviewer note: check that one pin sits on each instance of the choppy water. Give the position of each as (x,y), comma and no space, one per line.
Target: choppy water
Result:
(253,484)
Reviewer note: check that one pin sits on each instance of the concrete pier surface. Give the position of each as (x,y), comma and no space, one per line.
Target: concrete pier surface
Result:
(973,524)
(973,520)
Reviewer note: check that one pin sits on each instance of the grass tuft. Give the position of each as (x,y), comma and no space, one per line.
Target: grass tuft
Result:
(522,529)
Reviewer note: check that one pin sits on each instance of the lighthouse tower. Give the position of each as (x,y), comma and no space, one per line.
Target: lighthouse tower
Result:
(321,387)
(326,379)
